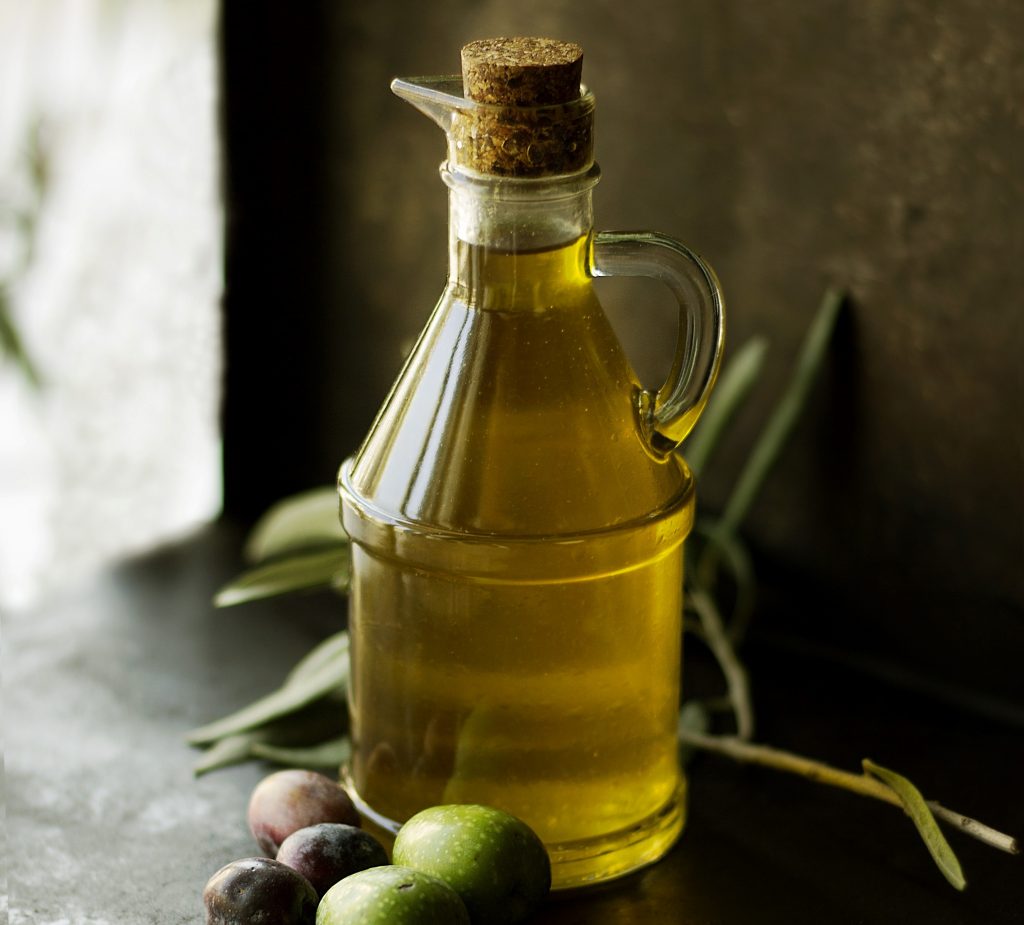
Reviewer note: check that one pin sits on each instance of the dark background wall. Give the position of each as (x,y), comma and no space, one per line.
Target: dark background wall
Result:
(875,145)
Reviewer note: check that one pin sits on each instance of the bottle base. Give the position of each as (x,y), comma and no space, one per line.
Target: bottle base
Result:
(593,861)
(587,862)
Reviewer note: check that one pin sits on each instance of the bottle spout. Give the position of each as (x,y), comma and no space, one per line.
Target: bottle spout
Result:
(439,98)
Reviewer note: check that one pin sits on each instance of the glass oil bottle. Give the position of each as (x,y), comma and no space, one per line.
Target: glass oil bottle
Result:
(517,510)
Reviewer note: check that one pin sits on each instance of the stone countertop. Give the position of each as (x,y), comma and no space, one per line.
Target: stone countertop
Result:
(106,824)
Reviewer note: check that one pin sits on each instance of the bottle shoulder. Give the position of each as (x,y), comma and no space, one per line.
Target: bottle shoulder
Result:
(516,422)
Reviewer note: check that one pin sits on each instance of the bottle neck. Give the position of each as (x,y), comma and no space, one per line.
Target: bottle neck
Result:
(502,230)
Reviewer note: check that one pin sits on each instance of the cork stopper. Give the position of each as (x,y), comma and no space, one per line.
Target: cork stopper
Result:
(532,120)
(522,71)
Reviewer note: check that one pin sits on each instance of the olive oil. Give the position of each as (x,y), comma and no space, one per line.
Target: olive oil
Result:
(517,511)
(516,605)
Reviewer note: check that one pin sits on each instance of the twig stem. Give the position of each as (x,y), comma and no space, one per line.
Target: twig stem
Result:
(976,829)
(822,773)
(735,674)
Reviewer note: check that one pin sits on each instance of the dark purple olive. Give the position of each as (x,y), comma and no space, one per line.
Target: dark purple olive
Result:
(291,800)
(258,890)
(326,853)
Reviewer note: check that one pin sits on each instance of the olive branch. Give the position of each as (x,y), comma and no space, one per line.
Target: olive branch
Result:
(299,545)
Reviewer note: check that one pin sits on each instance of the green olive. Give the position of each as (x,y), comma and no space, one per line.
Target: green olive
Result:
(391,896)
(494,861)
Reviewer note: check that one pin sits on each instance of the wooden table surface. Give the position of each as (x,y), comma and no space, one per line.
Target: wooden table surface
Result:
(107,826)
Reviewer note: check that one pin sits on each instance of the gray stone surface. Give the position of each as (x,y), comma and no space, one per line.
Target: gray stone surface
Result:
(105,823)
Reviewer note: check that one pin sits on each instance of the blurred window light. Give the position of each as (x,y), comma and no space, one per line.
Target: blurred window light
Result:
(111,276)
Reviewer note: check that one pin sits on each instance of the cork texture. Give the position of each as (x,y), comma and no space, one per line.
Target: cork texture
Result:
(522,71)
(533,122)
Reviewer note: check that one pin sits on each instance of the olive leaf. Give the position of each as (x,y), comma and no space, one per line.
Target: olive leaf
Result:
(333,647)
(786,413)
(319,720)
(327,678)
(731,389)
(232,749)
(299,522)
(330,754)
(302,572)
(917,808)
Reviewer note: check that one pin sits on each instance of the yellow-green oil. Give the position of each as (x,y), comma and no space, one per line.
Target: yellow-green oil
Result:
(515,612)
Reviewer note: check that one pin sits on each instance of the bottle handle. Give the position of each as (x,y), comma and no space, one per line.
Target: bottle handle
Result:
(668,415)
